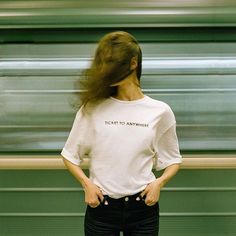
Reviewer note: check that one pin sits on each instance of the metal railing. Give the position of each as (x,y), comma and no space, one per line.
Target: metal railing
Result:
(211,161)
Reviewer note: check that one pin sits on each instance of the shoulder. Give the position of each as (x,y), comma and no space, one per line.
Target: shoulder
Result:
(164,114)
(91,110)
(163,111)
(159,105)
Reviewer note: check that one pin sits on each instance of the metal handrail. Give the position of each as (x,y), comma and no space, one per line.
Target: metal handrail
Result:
(205,161)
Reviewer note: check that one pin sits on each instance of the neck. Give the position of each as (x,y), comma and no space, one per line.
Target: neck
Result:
(129,89)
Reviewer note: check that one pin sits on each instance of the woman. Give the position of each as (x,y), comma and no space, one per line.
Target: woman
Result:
(122,131)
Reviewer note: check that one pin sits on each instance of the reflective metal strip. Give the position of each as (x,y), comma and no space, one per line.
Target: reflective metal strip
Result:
(210,161)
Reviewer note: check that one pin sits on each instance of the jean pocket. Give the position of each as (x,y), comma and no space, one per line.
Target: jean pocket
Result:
(94,208)
(156,205)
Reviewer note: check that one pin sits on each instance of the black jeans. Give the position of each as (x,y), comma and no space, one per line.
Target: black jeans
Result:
(129,215)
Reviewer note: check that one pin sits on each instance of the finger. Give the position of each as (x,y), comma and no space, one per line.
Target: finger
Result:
(94,204)
(100,197)
(149,202)
(144,192)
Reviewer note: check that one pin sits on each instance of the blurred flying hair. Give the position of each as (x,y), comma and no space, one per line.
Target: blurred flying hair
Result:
(111,64)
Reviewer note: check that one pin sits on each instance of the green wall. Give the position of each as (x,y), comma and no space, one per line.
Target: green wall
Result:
(189,62)
(50,202)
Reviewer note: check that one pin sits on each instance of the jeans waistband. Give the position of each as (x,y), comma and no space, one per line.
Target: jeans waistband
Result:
(126,199)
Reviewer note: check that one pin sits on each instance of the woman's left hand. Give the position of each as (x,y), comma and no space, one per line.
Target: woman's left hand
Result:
(152,193)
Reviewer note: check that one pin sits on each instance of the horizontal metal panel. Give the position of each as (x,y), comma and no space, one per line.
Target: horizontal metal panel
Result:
(185,179)
(196,80)
(73,202)
(192,223)
(42,131)
(38,225)
(73,225)
(166,50)
(36,140)
(46,51)
(198,225)
(179,83)
(46,14)
(188,65)
(145,34)
(204,128)
(35,83)
(149,83)
(49,202)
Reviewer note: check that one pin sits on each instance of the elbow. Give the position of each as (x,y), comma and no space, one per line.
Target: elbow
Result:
(174,167)
(65,161)
(177,166)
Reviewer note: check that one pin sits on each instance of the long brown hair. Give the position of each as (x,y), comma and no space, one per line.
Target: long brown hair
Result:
(110,65)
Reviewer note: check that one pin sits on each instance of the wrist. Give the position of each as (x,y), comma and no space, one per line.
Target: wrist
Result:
(85,182)
(160,182)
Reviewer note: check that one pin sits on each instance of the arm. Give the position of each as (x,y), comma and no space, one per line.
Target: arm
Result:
(71,159)
(169,159)
(93,194)
(169,172)
(152,191)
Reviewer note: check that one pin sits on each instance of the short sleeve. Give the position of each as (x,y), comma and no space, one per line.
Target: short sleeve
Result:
(71,149)
(167,149)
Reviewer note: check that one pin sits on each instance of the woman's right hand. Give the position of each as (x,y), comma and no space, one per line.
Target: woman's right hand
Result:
(93,194)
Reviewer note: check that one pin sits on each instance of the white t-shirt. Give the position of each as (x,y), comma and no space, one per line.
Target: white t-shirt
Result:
(122,138)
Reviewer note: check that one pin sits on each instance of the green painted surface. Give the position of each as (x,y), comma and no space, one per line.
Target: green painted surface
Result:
(45,45)
(196,79)
(41,226)
(103,13)
(144,34)
(51,202)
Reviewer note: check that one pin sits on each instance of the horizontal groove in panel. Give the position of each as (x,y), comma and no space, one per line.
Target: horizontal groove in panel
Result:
(148,91)
(42,91)
(191,91)
(21,214)
(41,190)
(165,189)
(41,127)
(169,214)
(199,189)
(197,214)
(67,127)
